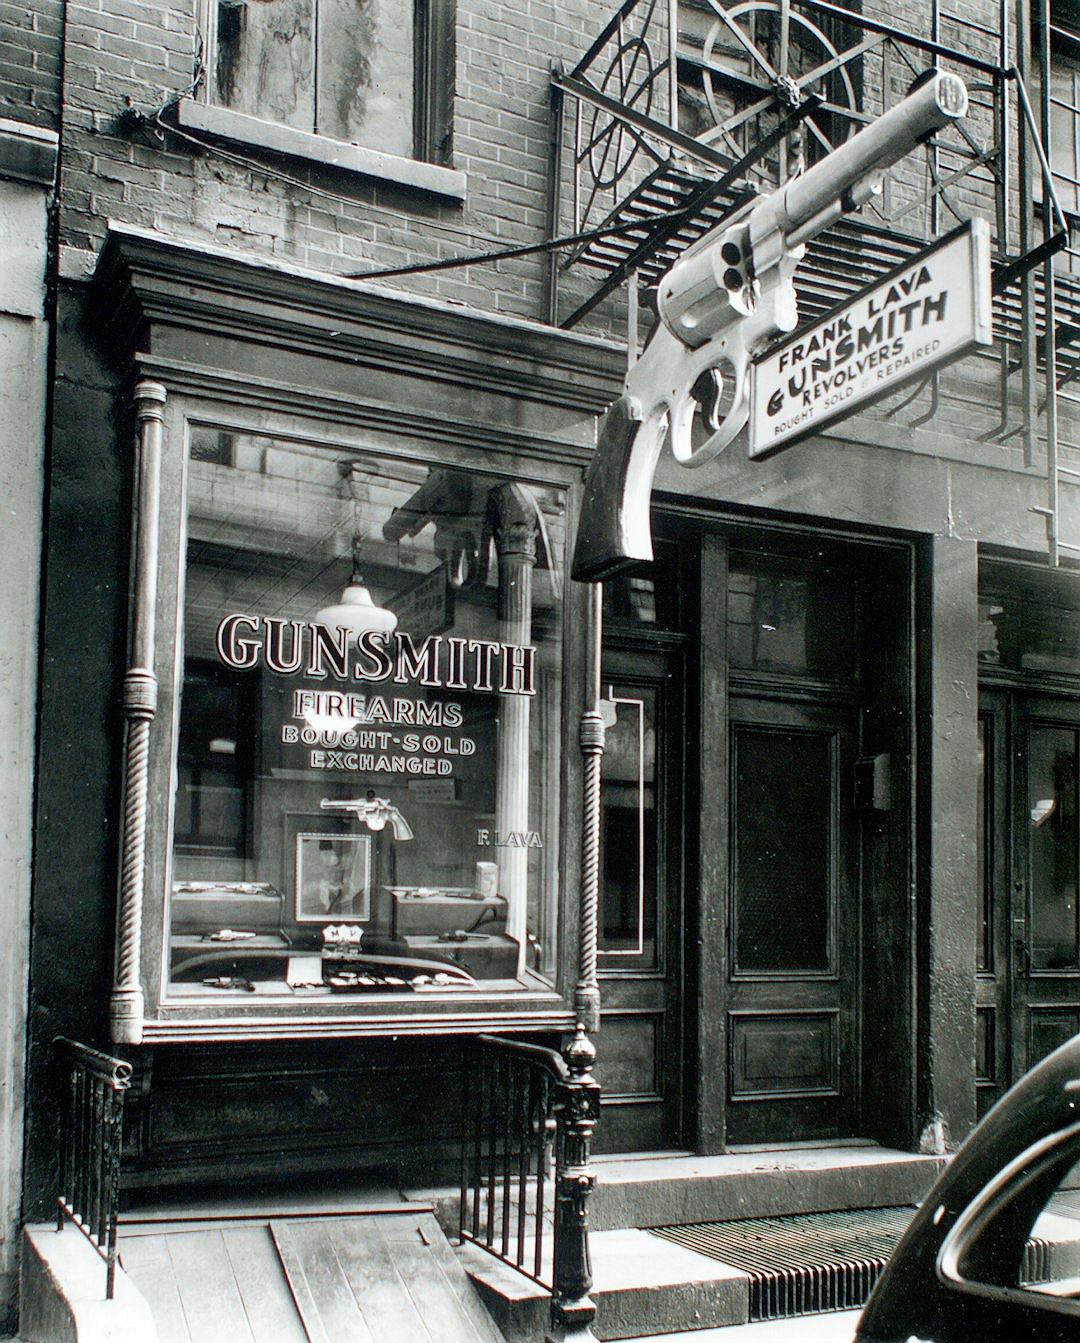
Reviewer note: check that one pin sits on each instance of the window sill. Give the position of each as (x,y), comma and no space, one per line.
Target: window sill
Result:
(228,125)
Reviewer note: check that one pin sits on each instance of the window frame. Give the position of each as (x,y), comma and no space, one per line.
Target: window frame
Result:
(167,1017)
(429,167)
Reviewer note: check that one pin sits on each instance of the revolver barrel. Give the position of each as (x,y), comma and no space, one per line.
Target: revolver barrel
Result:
(939,101)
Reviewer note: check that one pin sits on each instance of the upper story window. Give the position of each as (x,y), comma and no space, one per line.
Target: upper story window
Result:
(373,73)
(1065,128)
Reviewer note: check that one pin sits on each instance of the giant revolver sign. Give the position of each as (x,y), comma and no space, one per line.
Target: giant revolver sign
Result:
(926,313)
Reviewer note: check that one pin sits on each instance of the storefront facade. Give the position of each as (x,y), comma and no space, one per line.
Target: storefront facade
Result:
(311,807)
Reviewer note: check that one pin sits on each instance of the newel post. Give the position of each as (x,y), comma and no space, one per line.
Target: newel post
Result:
(126,1006)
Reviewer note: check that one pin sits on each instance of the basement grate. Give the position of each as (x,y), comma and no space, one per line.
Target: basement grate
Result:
(812,1262)
(805,1263)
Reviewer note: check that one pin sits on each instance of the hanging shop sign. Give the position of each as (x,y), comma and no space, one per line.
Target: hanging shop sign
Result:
(931,310)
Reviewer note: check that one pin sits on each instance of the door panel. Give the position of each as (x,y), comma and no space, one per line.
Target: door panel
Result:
(640,947)
(792,922)
(993,926)
(1046,863)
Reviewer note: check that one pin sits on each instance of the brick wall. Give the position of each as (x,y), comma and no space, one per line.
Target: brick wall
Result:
(130,54)
(30,37)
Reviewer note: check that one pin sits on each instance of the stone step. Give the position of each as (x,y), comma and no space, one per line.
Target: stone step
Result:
(641,1285)
(648,1288)
(669,1189)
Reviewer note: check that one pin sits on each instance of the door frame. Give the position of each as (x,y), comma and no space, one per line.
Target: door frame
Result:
(654,659)
(886,843)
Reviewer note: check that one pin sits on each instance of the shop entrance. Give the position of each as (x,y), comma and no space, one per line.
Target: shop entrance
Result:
(641,952)
(1028,975)
(757,841)
(1028,931)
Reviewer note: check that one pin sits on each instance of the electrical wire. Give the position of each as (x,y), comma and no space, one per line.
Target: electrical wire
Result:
(450,263)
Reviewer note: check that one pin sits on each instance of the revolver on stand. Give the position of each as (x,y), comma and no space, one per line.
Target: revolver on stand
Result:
(721,302)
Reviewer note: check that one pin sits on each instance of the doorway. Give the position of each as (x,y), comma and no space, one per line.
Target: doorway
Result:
(793,920)
(757,839)
(1028,948)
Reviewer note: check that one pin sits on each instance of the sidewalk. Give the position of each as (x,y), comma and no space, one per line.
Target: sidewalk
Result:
(836,1327)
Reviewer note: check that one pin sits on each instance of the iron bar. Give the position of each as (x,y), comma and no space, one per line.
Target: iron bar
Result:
(1049,296)
(606,33)
(665,229)
(669,135)
(519,1095)
(90,1137)
(859,20)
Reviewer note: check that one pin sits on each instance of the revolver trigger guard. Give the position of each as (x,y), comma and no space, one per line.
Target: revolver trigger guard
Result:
(682,410)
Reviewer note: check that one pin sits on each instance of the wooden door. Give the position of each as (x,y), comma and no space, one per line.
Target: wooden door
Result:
(792,922)
(1045,912)
(640,946)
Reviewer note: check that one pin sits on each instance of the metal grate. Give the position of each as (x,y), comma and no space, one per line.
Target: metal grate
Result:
(818,1261)
(802,1264)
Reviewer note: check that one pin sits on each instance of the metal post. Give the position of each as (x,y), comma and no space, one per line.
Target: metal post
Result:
(126,1005)
(1028,334)
(556,151)
(1050,307)
(573,1310)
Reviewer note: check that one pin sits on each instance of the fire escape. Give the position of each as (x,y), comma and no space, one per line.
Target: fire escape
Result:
(678,112)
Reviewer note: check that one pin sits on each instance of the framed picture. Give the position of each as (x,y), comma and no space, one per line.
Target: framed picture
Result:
(333,877)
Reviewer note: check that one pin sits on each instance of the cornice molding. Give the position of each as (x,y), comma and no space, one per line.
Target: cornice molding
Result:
(394,420)
(146,280)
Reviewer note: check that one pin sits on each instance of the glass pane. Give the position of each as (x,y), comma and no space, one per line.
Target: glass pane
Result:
(628,826)
(365,79)
(1029,620)
(368,758)
(1053,820)
(984,832)
(784,622)
(264,60)
(1065,131)
(649,596)
(781,868)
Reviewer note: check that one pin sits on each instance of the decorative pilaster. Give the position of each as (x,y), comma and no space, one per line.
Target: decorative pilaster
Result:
(516,548)
(126,1006)
(591,739)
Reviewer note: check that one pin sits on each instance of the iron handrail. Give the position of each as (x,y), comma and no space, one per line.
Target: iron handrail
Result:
(523,1104)
(91,1120)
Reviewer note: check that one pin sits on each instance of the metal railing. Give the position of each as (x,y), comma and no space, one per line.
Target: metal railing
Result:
(529,1114)
(91,1116)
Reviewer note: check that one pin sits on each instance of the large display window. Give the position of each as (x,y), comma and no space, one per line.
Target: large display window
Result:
(366,726)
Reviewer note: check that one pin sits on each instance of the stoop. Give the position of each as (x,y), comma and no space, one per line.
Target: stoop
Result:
(62,1293)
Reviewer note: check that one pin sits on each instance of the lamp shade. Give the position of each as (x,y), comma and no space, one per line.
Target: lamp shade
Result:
(357,613)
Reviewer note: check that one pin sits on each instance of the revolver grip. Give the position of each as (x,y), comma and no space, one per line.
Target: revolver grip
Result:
(613,533)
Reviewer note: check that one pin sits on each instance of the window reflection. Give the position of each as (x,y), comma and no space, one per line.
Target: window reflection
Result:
(366,794)
(786,622)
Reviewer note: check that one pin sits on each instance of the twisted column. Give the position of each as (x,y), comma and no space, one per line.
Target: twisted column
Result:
(126,1004)
(591,740)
